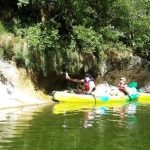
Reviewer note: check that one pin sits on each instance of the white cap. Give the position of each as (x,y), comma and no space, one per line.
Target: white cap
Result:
(123,79)
(87,79)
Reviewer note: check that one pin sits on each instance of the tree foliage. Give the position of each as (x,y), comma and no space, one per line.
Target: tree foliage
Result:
(64,33)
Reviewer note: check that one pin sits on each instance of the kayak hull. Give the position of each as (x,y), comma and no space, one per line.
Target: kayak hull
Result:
(61,96)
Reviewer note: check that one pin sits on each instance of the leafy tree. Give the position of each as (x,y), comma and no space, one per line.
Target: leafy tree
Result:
(64,33)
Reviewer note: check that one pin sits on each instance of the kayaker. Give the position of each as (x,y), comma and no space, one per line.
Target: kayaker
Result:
(122,86)
(88,81)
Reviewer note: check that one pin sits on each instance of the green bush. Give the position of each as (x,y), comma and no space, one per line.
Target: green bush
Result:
(87,39)
(2,28)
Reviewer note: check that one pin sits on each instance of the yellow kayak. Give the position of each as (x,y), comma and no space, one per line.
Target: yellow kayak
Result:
(61,96)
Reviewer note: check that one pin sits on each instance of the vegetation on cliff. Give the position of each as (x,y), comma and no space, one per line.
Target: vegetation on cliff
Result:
(54,36)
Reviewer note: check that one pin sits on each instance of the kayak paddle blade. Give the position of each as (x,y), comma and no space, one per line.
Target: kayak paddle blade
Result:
(133,84)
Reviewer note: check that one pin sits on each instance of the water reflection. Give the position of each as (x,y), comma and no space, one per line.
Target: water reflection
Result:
(14,122)
(124,115)
(76,126)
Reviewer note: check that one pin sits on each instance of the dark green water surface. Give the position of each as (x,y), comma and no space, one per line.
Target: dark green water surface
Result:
(96,128)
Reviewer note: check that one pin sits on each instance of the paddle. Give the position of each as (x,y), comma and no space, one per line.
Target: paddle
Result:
(133,84)
(93,97)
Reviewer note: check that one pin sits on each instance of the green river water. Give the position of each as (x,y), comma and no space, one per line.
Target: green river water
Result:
(51,127)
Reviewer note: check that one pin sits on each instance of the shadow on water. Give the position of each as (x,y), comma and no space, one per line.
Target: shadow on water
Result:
(76,126)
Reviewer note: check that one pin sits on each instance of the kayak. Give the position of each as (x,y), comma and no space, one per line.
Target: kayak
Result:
(144,98)
(61,96)
(60,108)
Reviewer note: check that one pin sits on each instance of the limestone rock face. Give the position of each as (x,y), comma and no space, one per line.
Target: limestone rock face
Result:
(15,91)
(134,69)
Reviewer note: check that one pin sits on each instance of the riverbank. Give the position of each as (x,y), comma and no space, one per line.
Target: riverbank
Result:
(23,100)
(16,88)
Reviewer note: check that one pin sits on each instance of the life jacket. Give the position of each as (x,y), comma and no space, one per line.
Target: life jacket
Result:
(87,85)
(121,88)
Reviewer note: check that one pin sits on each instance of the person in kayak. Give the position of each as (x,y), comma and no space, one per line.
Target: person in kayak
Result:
(122,86)
(88,81)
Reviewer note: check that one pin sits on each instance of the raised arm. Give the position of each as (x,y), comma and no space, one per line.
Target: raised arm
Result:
(74,80)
